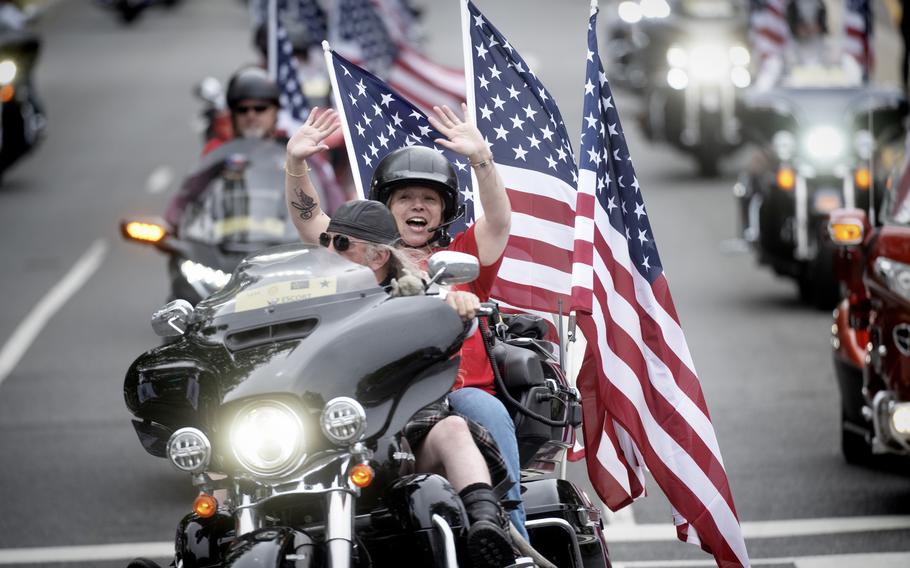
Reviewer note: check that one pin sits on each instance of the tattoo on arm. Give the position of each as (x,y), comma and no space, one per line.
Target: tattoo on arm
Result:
(305,206)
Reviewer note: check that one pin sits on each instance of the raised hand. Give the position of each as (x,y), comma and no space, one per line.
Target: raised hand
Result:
(461,136)
(308,138)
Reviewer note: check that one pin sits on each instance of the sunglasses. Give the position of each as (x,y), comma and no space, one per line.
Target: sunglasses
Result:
(258,109)
(340,242)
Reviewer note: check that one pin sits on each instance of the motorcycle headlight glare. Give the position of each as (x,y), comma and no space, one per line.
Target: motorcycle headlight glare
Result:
(739,55)
(677,79)
(7,71)
(784,144)
(896,275)
(709,62)
(343,420)
(677,56)
(900,419)
(189,450)
(267,438)
(629,12)
(864,144)
(655,8)
(195,272)
(740,77)
(825,143)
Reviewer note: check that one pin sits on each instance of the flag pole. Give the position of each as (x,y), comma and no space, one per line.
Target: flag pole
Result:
(273,43)
(345,129)
(469,90)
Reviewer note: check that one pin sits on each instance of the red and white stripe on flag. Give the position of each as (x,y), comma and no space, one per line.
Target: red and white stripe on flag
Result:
(769,29)
(642,402)
(858,32)
(425,82)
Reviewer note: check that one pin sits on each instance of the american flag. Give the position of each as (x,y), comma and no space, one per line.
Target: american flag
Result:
(521,123)
(376,120)
(311,15)
(642,403)
(360,34)
(858,33)
(768,27)
(283,67)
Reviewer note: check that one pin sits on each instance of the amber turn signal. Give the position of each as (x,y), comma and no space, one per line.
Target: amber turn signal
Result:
(786,179)
(862,178)
(846,233)
(205,506)
(7,92)
(144,231)
(362,475)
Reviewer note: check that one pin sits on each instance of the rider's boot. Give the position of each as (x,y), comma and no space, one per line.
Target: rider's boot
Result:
(488,537)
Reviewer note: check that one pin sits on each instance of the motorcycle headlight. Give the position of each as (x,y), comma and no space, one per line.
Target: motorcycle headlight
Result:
(343,420)
(195,272)
(825,143)
(709,62)
(677,56)
(740,77)
(267,438)
(739,55)
(7,71)
(189,450)
(677,78)
(655,8)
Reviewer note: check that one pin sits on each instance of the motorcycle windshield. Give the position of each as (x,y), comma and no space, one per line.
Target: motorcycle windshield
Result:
(280,277)
(243,206)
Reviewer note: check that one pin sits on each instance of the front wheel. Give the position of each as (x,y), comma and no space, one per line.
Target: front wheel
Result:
(853,445)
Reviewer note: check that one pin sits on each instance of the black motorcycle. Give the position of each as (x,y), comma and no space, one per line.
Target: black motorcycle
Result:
(21,113)
(283,398)
(240,210)
(696,65)
(820,142)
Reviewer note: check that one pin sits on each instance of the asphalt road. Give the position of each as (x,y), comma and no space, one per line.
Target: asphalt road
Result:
(71,470)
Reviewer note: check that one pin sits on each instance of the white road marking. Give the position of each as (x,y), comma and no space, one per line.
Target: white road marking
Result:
(34,322)
(124,551)
(159,180)
(754,530)
(878,560)
(766,529)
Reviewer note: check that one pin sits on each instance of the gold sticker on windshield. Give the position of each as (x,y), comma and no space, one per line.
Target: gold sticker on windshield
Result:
(285,292)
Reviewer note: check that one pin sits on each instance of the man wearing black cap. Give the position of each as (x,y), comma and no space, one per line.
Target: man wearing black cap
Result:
(365,232)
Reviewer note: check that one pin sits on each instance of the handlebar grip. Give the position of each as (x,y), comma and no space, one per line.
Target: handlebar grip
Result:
(486,309)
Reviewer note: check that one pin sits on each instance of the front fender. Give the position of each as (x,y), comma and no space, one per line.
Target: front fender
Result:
(267,548)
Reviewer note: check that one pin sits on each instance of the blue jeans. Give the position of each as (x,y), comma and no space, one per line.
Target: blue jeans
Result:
(485,409)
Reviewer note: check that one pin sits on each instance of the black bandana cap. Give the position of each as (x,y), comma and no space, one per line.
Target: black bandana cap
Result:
(366,220)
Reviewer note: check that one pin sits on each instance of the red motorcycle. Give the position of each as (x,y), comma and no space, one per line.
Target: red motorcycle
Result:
(871,331)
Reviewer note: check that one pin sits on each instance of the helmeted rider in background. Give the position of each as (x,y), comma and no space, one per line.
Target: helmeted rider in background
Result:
(418,186)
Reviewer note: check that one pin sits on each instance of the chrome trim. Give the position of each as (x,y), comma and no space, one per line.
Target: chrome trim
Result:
(849,193)
(339,528)
(563,524)
(901,336)
(801,198)
(449,539)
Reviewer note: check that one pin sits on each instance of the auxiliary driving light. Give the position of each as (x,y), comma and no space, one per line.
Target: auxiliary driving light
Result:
(140,231)
(7,71)
(343,420)
(846,233)
(189,450)
(205,506)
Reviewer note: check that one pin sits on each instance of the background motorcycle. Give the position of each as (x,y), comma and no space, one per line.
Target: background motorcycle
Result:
(130,10)
(871,330)
(695,65)
(241,210)
(293,442)
(21,113)
(819,143)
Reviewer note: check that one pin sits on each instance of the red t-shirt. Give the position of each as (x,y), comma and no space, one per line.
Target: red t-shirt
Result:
(475,370)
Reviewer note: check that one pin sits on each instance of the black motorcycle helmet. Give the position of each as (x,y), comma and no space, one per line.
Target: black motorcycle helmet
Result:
(252,83)
(422,166)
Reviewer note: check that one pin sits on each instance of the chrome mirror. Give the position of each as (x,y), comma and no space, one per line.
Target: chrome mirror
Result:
(172,319)
(209,90)
(450,267)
